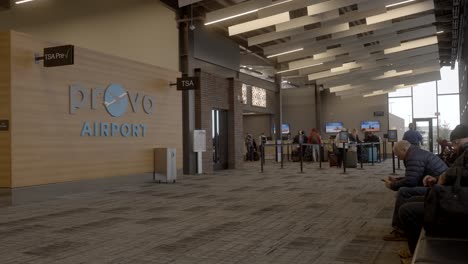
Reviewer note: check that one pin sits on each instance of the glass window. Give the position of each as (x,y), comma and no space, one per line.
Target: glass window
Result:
(259,97)
(401,92)
(424,100)
(449,109)
(244,94)
(400,114)
(449,83)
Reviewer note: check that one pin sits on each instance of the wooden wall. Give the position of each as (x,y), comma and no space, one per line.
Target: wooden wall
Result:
(47,146)
(5,149)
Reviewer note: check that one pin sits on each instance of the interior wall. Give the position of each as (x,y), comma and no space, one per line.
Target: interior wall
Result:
(219,93)
(299,109)
(351,111)
(256,124)
(140,30)
(48,143)
(5,107)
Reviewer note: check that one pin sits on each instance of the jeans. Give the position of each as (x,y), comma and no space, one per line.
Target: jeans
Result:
(316,152)
(405,195)
(412,219)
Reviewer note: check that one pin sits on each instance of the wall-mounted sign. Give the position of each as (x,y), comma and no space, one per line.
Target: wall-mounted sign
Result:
(117,101)
(59,56)
(379,113)
(188,83)
(199,141)
(392,135)
(4,125)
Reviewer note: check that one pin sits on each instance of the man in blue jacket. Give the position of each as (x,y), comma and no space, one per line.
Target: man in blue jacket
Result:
(413,136)
(419,163)
(412,212)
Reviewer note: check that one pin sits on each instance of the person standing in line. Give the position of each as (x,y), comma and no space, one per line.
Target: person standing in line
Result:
(413,136)
(314,138)
(341,149)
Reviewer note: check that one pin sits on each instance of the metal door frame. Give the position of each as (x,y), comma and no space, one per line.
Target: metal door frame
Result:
(431,131)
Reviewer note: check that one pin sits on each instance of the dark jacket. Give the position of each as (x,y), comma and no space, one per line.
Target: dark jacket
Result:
(419,163)
(460,164)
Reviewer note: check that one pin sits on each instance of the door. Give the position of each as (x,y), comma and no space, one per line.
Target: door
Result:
(219,128)
(425,128)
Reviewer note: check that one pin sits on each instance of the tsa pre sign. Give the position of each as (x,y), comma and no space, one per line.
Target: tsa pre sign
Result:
(59,56)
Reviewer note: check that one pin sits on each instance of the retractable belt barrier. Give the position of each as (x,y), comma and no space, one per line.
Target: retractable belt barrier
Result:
(279,153)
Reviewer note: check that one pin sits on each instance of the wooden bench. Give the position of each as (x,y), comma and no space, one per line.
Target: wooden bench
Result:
(431,250)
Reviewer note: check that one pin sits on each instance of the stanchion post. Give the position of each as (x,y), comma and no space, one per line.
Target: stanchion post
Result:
(302,157)
(282,157)
(344,158)
(320,155)
(262,150)
(399,163)
(393,159)
(361,155)
(372,153)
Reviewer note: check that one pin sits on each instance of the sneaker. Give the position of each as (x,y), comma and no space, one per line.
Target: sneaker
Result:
(404,253)
(395,235)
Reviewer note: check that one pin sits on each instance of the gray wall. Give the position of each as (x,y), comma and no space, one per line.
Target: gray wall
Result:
(256,124)
(352,111)
(299,109)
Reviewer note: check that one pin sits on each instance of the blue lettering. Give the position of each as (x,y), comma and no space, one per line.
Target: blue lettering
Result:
(96,124)
(135,130)
(104,129)
(114,128)
(86,130)
(143,128)
(125,130)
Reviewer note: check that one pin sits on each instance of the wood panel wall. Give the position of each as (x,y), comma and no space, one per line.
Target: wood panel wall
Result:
(5,147)
(47,146)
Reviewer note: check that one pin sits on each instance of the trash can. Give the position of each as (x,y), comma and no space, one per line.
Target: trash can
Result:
(165,169)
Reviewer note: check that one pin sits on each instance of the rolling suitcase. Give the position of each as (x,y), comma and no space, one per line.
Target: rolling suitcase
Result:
(351,159)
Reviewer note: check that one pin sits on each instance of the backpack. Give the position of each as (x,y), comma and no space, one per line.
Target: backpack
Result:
(446,206)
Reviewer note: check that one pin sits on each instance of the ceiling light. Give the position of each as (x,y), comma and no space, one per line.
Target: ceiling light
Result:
(241,14)
(286,52)
(440,32)
(23,1)
(400,3)
(227,18)
(300,68)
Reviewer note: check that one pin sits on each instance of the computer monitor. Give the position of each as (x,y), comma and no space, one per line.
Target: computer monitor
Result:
(371,126)
(285,129)
(333,127)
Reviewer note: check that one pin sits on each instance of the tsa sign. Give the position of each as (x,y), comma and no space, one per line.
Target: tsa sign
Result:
(188,83)
(59,56)
(199,141)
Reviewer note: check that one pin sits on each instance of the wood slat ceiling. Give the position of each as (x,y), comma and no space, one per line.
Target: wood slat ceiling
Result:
(352,47)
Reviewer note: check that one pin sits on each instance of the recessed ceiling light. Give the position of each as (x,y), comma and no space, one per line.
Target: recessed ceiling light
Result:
(286,52)
(23,1)
(400,3)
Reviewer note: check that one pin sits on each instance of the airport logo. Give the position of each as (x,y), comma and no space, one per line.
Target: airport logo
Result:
(117,102)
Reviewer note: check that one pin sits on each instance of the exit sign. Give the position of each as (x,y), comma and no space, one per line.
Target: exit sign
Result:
(188,83)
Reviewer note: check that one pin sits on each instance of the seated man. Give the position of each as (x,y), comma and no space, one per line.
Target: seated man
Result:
(418,163)
(412,213)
